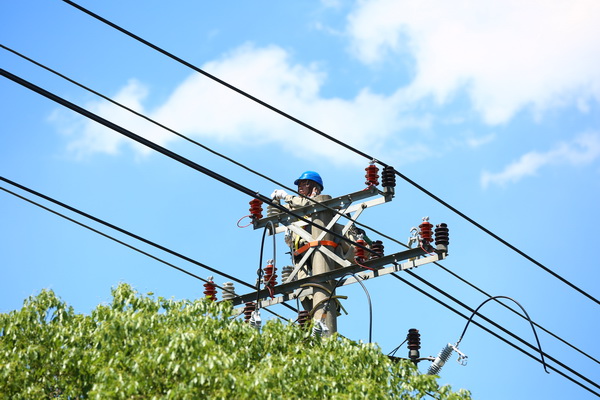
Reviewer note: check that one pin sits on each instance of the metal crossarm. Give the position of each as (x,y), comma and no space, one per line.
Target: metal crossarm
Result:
(290,290)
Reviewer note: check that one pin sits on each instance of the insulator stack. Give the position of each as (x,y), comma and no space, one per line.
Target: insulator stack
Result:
(228,291)
(256,209)
(426,231)
(414,344)
(269,276)
(388,177)
(286,272)
(372,176)
(359,252)
(272,210)
(210,290)
(442,239)
(303,317)
(248,310)
(377,247)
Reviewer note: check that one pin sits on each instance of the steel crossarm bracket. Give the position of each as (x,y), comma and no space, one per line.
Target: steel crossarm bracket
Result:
(335,203)
(377,264)
(308,238)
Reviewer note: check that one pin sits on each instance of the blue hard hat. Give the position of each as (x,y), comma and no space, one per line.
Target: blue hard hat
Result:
(311,176)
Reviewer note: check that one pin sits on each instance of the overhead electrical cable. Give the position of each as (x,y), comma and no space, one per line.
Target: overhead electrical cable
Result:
(516,312)
(331,138)
(475,312)
(281,185)
(153,121)
(144,141)
(129,246)
(413,286)
(117,128)
(121,230)
(130,234)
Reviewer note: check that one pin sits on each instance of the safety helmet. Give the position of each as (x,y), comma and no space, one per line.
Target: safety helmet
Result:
(311,176)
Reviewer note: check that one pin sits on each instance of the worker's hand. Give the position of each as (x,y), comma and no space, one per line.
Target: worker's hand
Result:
(278,194)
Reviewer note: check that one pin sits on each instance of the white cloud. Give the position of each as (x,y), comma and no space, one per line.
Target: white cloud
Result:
(581,151)
(201,108)
(507,54)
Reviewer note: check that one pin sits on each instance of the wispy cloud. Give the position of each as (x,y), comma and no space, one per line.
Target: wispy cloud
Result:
(581,151)
(201,108)
(505,54)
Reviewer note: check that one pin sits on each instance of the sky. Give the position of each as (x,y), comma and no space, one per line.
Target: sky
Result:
(494,107)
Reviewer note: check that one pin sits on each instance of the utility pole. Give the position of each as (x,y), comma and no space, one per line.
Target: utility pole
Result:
(319,258)
(320,265)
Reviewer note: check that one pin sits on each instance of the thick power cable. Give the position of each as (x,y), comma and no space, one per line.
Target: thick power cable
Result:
(276,183)
(121,230)
(160,125)
(131,247)
(331,138)
(516,312)
(492,333)
(273,181)
(117,128)
(475,312)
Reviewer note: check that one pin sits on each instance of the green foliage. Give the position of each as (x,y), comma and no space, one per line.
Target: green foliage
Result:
(138,347)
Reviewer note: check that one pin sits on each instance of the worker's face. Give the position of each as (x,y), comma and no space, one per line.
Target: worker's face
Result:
(308,188)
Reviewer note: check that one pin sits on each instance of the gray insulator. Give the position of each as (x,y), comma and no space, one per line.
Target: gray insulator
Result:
(228,292)
(286,272)
(440,360)
(271,210)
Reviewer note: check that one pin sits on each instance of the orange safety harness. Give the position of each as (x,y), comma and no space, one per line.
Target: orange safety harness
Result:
(315,244)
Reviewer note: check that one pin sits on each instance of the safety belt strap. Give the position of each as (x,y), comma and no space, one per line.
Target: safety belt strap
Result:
(315,244)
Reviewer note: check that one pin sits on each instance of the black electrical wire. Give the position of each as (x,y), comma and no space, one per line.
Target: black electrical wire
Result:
(38,92)
(133,235)
(337,284)
(259,271)
(33,87)
(516,312)
(160,125)
(129,246)
(503,329)
(493,333)
(331,138)
(275,182)
(121,230)
(522,308)
(168,153)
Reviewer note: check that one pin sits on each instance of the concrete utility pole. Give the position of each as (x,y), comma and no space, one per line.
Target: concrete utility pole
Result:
(320,265)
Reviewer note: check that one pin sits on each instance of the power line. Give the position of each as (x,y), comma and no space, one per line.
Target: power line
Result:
(117,128)
(277,183)
(121,242)
(132,135)
(129,134)
(331,138)
(493,333)
(434,287)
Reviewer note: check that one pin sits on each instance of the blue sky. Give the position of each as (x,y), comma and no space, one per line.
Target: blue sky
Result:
(492,106)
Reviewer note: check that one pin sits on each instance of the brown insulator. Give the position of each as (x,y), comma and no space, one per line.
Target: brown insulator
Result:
(248,310)
(303,317)
(210,290)
(426,231)
(372,176)
(256,209)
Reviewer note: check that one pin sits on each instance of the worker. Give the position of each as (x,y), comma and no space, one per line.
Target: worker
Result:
(310,184)
(310,187)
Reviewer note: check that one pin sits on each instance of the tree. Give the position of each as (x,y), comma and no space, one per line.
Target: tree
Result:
(138,347)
